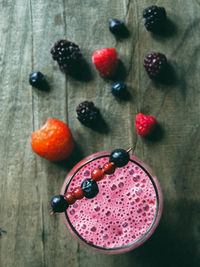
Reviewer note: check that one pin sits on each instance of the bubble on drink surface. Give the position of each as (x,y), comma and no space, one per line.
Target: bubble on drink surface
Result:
(125,224)
(93,229)
(121,185)
(75,205)
(72,212)
(113,187)
(105,237)
(97,208)
(86,173)
(108,213)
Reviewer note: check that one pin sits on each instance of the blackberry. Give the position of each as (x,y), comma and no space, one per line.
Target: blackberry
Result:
(154,64)
(154,18)
(67,55)
(87,113)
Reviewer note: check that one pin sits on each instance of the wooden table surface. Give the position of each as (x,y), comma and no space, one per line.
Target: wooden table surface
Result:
(28,29)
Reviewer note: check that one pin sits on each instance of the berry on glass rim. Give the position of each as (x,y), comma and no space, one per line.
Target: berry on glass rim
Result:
(105,61)
(97,174)
(154,64)
(109,168)
(70,198)
(53,141)
(78,193)
(119,157)
(58,204)
(145,124)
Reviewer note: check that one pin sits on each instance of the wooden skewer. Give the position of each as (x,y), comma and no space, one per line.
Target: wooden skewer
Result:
(128,150)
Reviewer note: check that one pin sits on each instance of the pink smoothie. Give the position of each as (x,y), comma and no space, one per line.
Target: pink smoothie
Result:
(122,213)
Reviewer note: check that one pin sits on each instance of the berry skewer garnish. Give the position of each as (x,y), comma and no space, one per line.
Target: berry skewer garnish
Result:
(89,188)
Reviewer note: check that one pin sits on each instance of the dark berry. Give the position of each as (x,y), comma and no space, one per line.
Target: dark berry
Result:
(117,26)
(37,79)
(154,64)
(118,89)
(70,198)
(59,204)
(90,188)
(119,157)
(154,18)
(78,193)
(87,113)
(109,168)
(67,55)
(97,174)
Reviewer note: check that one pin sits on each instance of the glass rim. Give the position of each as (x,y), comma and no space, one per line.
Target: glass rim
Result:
(157,216)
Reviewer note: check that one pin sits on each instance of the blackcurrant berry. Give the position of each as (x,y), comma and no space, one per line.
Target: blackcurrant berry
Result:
(119,157)
(118,89)
(90,188)
(37,79)
(59,204)
(117,26)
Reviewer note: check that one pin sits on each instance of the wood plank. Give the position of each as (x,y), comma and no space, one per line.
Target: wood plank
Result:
(27,32)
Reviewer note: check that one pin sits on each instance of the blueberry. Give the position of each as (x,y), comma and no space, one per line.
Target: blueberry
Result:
(117,26)
(118,89)
(90,188)
(37,79)
(119,157)
(59,204)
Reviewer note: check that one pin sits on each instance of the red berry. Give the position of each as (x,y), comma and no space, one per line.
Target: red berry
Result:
(105,61)
(70,198)
(78,193)
(109,168)
(145,124)
(53,141)
(97,174)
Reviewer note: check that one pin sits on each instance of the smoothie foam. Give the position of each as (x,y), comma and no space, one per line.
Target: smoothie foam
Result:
(122,212)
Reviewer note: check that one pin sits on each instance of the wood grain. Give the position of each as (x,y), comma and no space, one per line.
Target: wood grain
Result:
(28,30)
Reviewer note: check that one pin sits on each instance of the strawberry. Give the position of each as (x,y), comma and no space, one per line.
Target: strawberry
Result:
(105,61)
(145,124)
(53,141)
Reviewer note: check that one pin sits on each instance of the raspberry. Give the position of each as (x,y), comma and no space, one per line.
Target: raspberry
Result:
(154,64)
(154,18)
(67,55)
(87,113)
(53,141)
(105,61)
(145,124)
